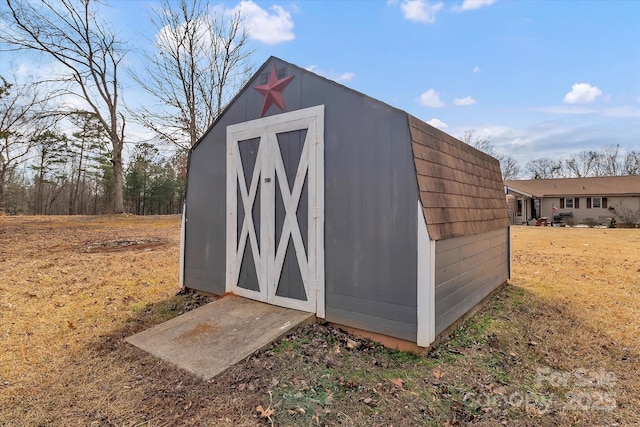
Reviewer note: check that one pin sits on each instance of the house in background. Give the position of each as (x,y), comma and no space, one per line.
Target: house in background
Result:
(586,200)
(309,195)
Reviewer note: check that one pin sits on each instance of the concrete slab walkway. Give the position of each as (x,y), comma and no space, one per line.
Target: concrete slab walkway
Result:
(209,339)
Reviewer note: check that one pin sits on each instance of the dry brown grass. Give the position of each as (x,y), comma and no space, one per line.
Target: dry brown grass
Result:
(59,294)
(593,274)
(71,288)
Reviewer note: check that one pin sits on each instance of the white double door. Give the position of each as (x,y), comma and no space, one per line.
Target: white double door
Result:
(275,209)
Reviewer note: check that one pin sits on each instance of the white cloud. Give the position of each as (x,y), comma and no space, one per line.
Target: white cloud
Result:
(521,142)
(69,102)
(494,132)
(331,75)
(420,10)
(30,69)
(345,76)
(168,38)
(431,98)
(476,69)
(582,93)
(267,26)
(437,123)
(467,100)
(262,25)
(615,111)
(472,5)
(23,70)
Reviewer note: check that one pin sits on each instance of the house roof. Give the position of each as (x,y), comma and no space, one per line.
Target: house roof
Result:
(461,188)
(591,186)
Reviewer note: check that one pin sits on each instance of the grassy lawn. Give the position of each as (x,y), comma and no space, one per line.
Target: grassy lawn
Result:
(557,346)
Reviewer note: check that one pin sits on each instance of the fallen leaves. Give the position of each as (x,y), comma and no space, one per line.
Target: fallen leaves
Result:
(298,410)
(397,382)
(438,373)
(352,345)
(266,413)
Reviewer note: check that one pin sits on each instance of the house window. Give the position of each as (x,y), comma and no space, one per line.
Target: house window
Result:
(597,202)
(519,211)
(568,203)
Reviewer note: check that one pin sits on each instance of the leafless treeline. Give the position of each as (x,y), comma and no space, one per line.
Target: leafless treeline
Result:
(62,136)
(608,161)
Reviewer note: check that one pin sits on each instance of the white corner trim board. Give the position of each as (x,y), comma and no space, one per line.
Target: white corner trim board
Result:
(426,283)
(182,243)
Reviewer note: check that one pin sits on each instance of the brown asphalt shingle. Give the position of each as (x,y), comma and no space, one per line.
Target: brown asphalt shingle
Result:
(461,188)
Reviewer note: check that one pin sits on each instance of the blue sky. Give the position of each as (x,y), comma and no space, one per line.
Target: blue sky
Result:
(540,78)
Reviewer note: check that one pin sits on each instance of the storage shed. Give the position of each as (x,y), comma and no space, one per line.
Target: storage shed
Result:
(309,195)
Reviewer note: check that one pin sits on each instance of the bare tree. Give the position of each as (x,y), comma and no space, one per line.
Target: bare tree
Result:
(510,168)
(632,163)
(609,162)
(508,165)
(482,143)
(199,61)
(69,32)
(544,168)
(20,110)
(582,164)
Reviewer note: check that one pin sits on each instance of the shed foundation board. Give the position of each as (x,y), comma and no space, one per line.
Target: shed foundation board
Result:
(209,339)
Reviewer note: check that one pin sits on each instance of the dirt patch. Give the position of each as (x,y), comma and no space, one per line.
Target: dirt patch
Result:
(558,346)
(123,245)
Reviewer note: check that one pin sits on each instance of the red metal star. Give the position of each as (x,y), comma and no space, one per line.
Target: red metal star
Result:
(272,91)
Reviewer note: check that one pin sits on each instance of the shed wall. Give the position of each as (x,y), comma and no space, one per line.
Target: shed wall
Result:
(468,268)
(370,217)
(370,198)
(205,231)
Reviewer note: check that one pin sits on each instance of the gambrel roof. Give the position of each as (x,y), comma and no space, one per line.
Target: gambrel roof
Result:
(461,188)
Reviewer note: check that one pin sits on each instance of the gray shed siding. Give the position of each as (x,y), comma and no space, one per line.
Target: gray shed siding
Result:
(370,234)
(468,268)
(370,204)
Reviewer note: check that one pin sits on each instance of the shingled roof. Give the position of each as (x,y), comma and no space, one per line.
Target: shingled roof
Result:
(590,186)
(461,188)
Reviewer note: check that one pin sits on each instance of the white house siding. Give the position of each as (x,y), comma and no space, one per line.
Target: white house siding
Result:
(582,213)
(632,203)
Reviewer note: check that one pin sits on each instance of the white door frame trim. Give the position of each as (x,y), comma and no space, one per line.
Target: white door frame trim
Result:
(269,162)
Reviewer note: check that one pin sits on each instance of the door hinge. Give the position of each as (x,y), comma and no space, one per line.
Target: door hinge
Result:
(316,212)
